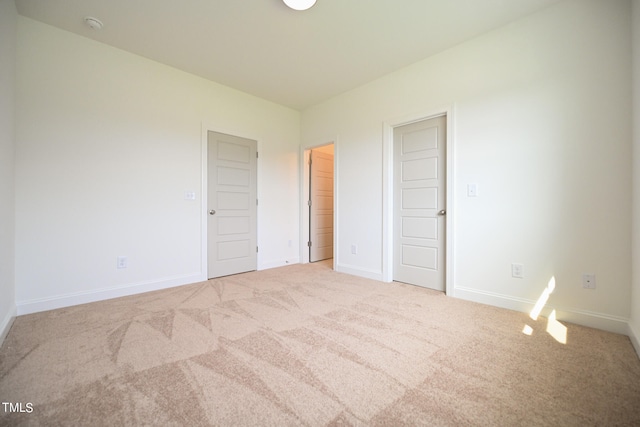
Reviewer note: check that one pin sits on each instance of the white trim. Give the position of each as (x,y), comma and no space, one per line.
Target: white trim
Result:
(304,209)
(84,297)
(336,200)
(203,202)
(358,271)
(5,326)
(387,192)
(304,197)
(206,127)
(634,337)
(280,263)
(591,319)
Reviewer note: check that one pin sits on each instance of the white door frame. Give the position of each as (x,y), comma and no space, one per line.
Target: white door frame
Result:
(304,197)
(204,216)
(387,193)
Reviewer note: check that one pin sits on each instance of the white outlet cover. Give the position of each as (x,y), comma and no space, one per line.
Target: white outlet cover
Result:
(472,190)
(122,262)
(589,281)
(517,270)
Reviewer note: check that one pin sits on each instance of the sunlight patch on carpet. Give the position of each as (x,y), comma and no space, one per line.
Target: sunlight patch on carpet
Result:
(556,329)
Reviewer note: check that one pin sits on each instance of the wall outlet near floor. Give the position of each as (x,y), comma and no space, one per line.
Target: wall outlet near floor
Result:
(122,262)
(354,249)
(589,281)
(517,270)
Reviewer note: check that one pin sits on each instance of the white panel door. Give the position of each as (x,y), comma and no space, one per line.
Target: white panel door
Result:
(419,203)
(321,209)
(232,211)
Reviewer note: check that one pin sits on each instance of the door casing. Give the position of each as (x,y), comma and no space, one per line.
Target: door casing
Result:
(305,153)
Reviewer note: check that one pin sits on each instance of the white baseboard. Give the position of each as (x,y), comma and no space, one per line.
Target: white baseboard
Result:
(358,271)
(6,323)
(278,263)
(596,320)
(84,297)
(634,336)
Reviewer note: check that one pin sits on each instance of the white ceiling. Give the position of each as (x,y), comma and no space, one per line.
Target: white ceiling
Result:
(292,58)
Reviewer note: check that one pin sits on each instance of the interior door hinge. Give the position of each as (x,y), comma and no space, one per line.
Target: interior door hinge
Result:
(256,154)
(309,202)
(256,202)
(256,249)
(309,244)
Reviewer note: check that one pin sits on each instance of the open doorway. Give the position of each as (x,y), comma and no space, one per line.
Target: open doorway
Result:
(318,184)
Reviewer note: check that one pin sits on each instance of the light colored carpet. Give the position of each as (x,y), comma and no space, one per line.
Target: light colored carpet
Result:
(304,345)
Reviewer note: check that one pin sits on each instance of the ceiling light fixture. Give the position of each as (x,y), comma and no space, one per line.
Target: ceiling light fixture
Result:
(299,4)
(93,23)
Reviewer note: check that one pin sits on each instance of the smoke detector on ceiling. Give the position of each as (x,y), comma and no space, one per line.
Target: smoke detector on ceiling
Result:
(93,23)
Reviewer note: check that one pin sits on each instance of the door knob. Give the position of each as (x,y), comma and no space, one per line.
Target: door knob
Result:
(442,212)
(212,212)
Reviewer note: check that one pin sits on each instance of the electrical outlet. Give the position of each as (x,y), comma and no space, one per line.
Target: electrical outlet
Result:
(517,270)
(354,249)
(589,281)
(122,262)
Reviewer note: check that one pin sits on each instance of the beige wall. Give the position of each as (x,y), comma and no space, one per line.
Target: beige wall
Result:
(8,18)
(107,145)
(542,123)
